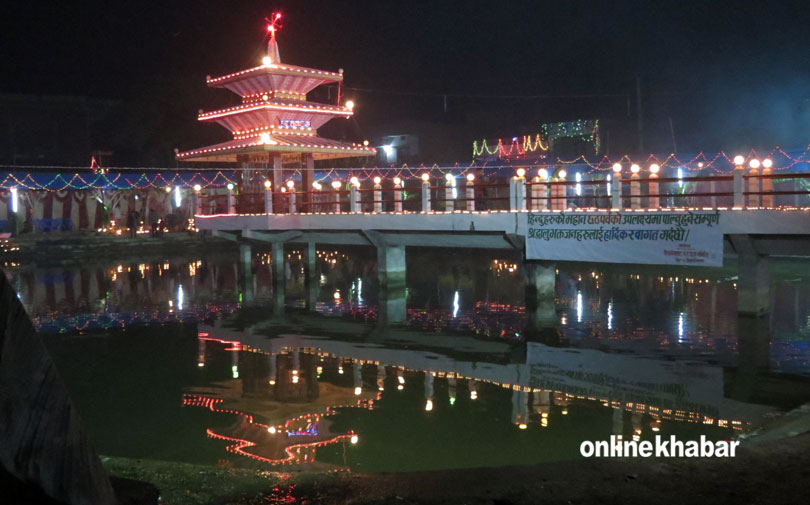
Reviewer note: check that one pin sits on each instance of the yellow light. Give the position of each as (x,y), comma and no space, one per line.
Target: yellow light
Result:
(350,104)
(230,186)
(354,439)
(317,185)
(470,177)
(739,160)
(264,138)
(168,189)
(449,177)
(290,184)
(397,181)
(358,390)
(617,167)
(521,172)
(377,180)
(700,164)
(562,174)
(428,405)
(355,181)
(767,163)
(425,177)
(754,163)
(197,188)
(268,184)
(271,430)
(267,61)
(654,168)
(542,173)
(365,142)
(635,168)
(335,184)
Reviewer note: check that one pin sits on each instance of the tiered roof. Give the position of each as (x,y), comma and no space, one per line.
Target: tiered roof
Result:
(274,115)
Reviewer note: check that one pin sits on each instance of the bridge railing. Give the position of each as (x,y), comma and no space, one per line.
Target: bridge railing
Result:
(740,189)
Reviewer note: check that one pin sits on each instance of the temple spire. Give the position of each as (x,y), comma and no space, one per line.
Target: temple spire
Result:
(272,46)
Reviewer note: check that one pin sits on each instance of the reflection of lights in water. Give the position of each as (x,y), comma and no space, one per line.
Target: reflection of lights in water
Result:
(200,364)
(564,412)
(340,369)
(473,395)
(563,319)
(354,439)
(400,387)
(523,426)
(336,295)
(579,306)
(428,405)
(401,379)
(235,371)
(358,390)
(578,187)
(680,177)
(295,379)
(680,327)
(360,292)
(544,422)
(271,430)
(452,400)
(180,297)
(322,281)
(609,178)
(610,316)
(455,304)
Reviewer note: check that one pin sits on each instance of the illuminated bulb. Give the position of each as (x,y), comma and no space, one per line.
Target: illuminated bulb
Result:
(617,167)
(355,181)
(425,177)
(197,188)
(767,163)
(168,189)
(739,160)
(521,172)
(354,439)
(264,138)
(700,164)
(267,184)
(542,173)
(401,379)
(377,180)
(562,174)
(265,97)
(397,181)
(449,177)
(522,426)
(290,184)
(317,185)
(428,405)
(267,61)
(473,395)
(350,104)
(634,168)
(336,295)
(754,163)
(470,177)
(358,390)
(654,168)
(271,430)
(230,186)
(400,387)
(335,184)
(365,142)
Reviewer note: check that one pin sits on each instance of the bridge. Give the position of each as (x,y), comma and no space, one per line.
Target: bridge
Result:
(742,215)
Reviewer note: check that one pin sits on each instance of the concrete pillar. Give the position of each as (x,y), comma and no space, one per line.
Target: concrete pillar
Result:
(767,186)
(713,189)
(521,193)
(293,204)
(542,324)
(279,281)
(231,202)
(754,284)
(397,195)
(312,285)
(425,193)
(391,273)
(470,193)
(378,206)
(562,192)
(616,191)
(635,191)
(654,201)
(753,187)
(268,197)
(354,199)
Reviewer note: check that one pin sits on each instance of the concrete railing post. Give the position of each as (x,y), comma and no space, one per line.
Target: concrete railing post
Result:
(753,183)
(378,206)
(397,194)
(512,193)
(268,197)
(449,201)
(336,187)
(470,192)
(354,196)
(616,190)
(425,193)
(767,184)
(635,188)
(291,191)
(231,200)
(197,198)
(737,185)
(654,201)
(562,191)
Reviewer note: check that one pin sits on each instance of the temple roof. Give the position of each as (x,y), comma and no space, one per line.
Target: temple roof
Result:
(271,112)
(272,77)
(273,142)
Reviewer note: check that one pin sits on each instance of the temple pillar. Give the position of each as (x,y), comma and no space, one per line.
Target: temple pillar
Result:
(307,178)
(277,178)
(754,284)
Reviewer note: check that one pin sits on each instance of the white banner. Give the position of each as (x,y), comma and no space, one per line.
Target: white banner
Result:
(656,238)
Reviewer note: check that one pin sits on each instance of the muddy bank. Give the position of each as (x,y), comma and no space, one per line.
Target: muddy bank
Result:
(80,247)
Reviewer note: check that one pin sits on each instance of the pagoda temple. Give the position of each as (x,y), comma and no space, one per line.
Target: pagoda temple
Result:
(275,126)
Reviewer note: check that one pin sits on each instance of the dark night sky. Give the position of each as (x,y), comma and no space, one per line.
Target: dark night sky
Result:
(727,73)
